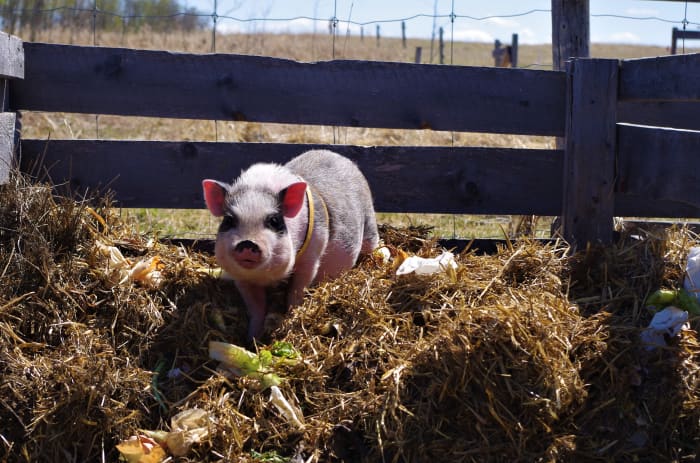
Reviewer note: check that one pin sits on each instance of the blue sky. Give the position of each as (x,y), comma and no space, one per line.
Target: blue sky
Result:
(612,21)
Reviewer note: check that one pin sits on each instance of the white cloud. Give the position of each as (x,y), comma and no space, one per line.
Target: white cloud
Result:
(473,35)
(527,35)
(503,22)
(296,26)
(299,25)
(624,37)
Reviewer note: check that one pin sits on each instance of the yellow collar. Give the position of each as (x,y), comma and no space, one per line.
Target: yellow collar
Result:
(310,226)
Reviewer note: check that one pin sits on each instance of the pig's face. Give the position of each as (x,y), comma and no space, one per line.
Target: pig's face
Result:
(253,242)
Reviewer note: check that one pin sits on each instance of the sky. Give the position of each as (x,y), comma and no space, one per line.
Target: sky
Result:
(639,22)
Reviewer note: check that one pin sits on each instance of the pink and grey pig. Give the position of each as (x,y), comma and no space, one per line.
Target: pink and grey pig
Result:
(307,220)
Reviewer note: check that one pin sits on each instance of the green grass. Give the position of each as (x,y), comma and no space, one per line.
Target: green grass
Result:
(199,224)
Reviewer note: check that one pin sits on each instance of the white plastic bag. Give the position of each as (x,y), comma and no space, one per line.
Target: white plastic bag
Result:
(423,266)
(691,283)
(669,321)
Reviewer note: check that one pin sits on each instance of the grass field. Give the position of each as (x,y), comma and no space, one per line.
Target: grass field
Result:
(197,223)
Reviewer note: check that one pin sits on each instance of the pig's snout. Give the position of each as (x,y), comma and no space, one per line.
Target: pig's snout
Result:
(247,254)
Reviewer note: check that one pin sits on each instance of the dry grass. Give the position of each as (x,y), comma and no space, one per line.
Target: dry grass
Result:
(529,354)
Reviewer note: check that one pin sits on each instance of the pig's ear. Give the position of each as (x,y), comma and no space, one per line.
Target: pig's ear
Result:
(292,198)
(214,195)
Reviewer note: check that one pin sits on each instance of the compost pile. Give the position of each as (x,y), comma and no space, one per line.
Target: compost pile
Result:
(529,354)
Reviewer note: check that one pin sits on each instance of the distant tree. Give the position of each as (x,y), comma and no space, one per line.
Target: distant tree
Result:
(106,15)
(192,20)
(10,12)
(160,15)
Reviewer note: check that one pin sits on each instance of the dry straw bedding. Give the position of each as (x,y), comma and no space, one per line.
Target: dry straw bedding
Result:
(529,354)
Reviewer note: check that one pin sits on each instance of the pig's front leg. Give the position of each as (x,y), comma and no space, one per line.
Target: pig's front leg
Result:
(255,299)
(303,276)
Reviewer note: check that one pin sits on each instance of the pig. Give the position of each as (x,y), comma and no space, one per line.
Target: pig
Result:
(305,221)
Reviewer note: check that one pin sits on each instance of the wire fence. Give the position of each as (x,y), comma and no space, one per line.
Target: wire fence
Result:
(315,38)
(92,24)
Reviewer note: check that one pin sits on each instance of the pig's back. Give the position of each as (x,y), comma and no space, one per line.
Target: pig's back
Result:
(346,194)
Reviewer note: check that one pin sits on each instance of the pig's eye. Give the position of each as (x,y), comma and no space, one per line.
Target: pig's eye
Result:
(275,222)
(228,223)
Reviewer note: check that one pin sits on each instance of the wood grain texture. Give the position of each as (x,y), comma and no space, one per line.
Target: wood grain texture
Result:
(677,114)
(663,78)
(7,145)
(658,166)
(11,57)
(121,81)
(589,159)
(403,179)
(570,31)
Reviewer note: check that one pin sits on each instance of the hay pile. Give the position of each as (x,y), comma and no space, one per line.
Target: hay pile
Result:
(524,355)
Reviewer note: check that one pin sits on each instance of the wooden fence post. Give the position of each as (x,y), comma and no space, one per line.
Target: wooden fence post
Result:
(11,67)
(403,33)
(514,51)
(591,146)
(570,31)
(674,40)
(419,52)
(442,46)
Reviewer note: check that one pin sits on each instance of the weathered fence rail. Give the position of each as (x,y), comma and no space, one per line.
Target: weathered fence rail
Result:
(129,82)
(404,178)
(607,167)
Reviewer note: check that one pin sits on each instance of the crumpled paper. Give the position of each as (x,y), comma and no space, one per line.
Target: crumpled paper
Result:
(120,269)
(291,413)
(669,321)
(383,254)
(189,427)
(141,449)
(427,266)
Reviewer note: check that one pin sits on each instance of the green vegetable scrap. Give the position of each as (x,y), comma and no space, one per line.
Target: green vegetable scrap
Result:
(676,297)
(268,457)
(260,366)
(284,350)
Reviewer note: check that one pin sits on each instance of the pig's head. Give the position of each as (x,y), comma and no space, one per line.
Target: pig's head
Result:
(254,242)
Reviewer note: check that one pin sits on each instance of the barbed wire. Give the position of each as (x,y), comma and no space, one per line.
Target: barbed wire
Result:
(447,16)
(334,21)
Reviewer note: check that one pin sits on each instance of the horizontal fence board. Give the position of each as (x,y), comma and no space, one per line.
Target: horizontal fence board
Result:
(677,114)
(663,78)
(403,179)
(11,57)
(96,80)
(681,34)
(629,205)
(658,172)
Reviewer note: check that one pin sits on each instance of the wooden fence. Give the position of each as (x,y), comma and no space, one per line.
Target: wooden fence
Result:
(680,34)
(608,167)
